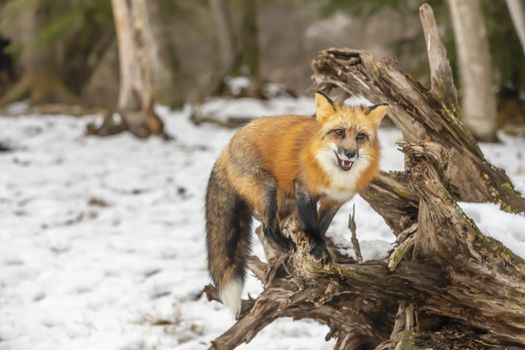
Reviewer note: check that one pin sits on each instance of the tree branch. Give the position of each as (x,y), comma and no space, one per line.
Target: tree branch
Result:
(440,72)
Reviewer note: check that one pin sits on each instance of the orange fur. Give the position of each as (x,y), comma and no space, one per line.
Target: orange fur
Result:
(260,168)
(287,147)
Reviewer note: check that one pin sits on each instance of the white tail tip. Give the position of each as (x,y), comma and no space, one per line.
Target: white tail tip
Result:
(231,295)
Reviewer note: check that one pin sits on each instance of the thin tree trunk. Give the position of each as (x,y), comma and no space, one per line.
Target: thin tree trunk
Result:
(517,13)
(227,47)
(165,65)
(237,58)
(136,100)
(249,57)
(475,68)
(225,38)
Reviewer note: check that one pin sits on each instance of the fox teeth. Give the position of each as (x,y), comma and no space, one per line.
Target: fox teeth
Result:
(346,162)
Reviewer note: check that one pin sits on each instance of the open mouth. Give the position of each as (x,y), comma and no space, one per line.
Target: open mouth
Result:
(345,165)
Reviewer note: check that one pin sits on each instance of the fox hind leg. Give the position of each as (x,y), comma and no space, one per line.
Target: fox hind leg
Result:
(260,190)
(271,227)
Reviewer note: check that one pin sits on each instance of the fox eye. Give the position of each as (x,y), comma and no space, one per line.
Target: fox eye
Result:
(361,136)
(339,132)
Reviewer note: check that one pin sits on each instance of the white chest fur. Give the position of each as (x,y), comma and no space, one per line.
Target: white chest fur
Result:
(337,194)
(343,184)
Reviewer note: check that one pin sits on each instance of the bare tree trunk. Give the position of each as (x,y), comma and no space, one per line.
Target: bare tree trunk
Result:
(165,65)
(517,13)
(475,68)
(228,50)
(237,58)
(248,62)
(135,46)
(7,72)
(225,38)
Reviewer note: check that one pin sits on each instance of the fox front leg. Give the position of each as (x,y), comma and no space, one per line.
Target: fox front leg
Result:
(307,209)
(259,189)
(327,210)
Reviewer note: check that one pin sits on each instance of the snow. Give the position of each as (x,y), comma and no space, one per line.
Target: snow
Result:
(222,109)
(505,227)
(331,26)
(236,84)
(357,100)
(102,239)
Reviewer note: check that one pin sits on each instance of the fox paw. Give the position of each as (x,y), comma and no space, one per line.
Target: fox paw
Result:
(319,251)
(282,242)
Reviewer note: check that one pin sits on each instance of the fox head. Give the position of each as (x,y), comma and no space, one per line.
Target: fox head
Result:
(347,135)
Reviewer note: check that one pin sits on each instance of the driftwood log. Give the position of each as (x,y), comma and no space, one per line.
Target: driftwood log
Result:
(445,285)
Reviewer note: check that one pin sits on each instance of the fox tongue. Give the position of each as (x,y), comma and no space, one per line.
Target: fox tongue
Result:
(344,164)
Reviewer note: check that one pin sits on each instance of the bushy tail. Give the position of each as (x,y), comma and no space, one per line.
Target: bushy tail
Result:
(228,220)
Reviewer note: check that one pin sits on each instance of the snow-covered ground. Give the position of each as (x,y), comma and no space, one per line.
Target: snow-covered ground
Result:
(102,239)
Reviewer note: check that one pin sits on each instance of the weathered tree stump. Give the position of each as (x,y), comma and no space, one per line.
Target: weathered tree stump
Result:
(446,285)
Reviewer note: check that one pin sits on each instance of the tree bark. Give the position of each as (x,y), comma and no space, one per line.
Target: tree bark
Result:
(475,68)
(446,285)
(517,14)
(392,196)
(135,101)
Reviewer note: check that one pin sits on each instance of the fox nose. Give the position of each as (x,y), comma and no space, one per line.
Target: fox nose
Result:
(350,153)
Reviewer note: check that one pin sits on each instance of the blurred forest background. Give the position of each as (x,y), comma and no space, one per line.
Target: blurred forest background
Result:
(60,53)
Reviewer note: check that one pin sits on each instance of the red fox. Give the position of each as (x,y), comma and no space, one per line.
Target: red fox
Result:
(326,159)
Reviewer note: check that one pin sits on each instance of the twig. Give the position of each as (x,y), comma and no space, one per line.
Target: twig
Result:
(258,268)
(409,312)
(269,251)
(400,321)
(403,332)
(399,253)
(406,233)
(355,241)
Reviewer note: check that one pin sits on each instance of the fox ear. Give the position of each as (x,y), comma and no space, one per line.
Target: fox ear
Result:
(324,107)
(377,112)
